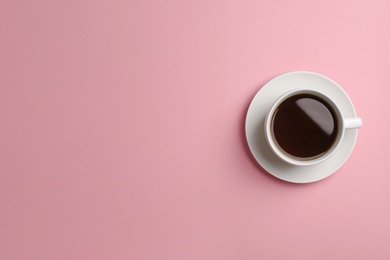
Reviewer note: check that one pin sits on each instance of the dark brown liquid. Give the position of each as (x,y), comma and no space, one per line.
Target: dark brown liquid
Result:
(305,126)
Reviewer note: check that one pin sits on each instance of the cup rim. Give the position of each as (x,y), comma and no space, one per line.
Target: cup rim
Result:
(293,160)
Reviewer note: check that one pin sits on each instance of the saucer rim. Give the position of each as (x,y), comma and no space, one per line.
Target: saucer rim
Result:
(274,165)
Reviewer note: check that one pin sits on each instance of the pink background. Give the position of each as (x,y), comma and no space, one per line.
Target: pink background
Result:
(122,130)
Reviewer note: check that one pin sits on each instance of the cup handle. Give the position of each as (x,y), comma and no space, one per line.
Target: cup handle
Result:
(352,123)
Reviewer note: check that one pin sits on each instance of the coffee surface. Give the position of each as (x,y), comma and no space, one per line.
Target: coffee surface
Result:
(305,126)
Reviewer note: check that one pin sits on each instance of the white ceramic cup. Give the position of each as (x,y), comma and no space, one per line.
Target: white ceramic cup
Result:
(343,124)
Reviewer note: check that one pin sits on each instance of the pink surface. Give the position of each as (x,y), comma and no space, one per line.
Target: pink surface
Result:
(122,133)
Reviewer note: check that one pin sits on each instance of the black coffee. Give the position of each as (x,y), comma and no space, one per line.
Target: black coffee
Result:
(305,126)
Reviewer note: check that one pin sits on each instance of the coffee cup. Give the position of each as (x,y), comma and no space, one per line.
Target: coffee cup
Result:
(305,127)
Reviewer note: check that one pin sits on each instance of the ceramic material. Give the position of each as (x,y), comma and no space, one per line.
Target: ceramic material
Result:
(263,102)
(343,125)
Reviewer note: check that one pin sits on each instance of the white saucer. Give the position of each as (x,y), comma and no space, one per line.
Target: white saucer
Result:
(254,127)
